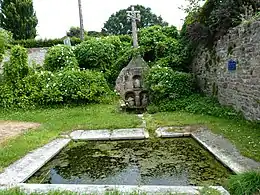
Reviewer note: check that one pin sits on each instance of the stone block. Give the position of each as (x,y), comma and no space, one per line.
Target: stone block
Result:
(128,134)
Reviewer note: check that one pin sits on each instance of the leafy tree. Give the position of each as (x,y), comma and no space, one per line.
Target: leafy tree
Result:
(161,46)
(19,17)
(95,34)
(211,21)
(117,23)
(74,32)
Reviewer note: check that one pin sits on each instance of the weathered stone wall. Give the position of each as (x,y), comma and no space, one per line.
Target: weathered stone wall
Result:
(36,55)
(239,88)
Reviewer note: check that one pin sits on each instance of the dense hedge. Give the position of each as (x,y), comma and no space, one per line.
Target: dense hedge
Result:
(17,68)
(33,43)
(164,83)
(23,87)
(59,57)
(161,45)
(102,54)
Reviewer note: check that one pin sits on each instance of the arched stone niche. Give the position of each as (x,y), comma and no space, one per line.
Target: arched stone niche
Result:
(137,82)
(130,99)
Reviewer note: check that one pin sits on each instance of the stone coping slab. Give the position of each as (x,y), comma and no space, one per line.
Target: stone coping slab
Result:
(118,134)
(90,135)
(102,189)
(166,132)
(220,147)
(225,151)
(24,168)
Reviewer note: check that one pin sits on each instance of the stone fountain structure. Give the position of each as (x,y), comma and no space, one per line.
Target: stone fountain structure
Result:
(130,82)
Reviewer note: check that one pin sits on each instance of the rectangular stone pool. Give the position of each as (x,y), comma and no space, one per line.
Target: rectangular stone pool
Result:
(172,162)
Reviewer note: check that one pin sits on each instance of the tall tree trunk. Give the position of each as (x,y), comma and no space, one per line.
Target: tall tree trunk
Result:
(81,21)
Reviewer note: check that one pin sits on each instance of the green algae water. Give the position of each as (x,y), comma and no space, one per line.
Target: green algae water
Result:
(159,162)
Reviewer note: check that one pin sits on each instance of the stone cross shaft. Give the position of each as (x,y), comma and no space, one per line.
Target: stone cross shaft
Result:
(134,16)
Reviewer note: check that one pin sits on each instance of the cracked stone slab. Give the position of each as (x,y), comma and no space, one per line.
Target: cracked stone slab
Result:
(225,151)
(166,132)
(24,168)
(102,189)
(128,134)
(91,135)
(117,134)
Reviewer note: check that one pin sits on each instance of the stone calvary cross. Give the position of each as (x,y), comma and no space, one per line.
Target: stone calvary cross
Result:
(134,16)
(130,82)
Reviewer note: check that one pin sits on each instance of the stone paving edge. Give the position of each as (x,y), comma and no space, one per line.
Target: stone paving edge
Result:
(24,168)
(101,189)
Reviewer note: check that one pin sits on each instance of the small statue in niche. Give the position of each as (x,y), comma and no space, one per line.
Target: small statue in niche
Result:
(130,101)
(144,100)
(137,82)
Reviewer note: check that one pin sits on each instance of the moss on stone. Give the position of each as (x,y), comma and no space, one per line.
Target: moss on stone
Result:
(166,162)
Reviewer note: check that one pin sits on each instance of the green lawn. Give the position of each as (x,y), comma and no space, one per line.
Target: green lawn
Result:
(244,135)
(57,121)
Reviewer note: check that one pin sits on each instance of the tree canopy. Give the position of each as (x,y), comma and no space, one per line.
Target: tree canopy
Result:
(75,32)
(117,23)
(19,17)
(211,21)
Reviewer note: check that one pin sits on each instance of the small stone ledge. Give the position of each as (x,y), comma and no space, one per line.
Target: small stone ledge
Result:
(102,135)
(91,135)
(24,168)
(165,132)
(102,189)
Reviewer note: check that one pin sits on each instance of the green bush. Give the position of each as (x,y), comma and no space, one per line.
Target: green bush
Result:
(40,88)
(95,53)
(162,44)
(82,86)
(33,43)
(46,88)
(196,104)
(58,57)
(164,83)
(246,184)
(6,96)
(5,40)
(102,54)
(17,68)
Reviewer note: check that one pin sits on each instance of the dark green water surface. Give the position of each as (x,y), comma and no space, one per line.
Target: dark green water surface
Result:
(159,162)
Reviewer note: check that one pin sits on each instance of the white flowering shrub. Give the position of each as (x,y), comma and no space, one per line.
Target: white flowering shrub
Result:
(164,83)
(58,57)
(101,54)
(82,86)
(46,88)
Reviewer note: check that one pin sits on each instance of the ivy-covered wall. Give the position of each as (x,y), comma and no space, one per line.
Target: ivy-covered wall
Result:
(36,55)
(239,88)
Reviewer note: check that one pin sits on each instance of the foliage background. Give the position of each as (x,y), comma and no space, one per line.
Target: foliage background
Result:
(18,17)
(117,24)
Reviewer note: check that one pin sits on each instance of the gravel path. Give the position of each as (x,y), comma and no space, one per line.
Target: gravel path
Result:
(10,129)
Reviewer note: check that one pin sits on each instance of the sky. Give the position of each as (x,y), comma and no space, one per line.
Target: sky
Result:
(55,17)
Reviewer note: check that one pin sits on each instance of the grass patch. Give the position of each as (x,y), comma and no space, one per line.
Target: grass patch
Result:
(57,121)
(243,134)
(247,183)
